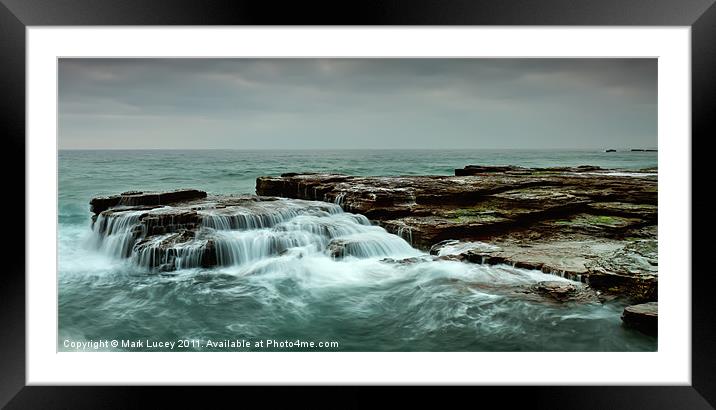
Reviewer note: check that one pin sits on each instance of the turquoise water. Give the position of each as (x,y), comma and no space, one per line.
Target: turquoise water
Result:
(361,303)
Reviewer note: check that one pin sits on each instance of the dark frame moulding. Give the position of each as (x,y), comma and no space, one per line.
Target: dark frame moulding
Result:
(16,15)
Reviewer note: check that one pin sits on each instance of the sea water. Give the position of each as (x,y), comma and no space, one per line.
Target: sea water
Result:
(301,296)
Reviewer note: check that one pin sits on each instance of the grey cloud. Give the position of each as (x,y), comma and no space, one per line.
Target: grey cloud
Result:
(357,103)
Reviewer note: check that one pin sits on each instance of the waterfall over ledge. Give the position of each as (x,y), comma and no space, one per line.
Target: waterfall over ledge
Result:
(235,230)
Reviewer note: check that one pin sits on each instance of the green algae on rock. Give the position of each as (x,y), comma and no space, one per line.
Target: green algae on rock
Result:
(587,223)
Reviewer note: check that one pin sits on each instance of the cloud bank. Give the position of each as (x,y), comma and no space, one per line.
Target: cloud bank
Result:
(357,103)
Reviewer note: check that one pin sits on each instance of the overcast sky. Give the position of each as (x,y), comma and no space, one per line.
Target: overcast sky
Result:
(357,103)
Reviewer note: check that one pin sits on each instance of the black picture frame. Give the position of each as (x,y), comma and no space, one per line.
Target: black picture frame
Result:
(16,15)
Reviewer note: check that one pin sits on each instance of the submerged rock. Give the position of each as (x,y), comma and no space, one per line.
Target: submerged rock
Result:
(562,291)
(608,265)
(408,261)
(337,248)
(644,317)
(556,292)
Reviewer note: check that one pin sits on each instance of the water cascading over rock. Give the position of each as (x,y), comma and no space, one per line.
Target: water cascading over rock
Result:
(234,230)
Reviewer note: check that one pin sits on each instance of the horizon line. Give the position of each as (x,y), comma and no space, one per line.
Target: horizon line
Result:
(628,149)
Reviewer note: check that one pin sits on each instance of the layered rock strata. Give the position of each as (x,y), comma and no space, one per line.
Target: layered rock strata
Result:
(597,226)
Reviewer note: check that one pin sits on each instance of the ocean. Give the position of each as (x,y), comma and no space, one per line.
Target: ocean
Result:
(356,304)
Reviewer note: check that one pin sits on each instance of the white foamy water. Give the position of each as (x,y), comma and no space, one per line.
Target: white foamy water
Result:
(238,236)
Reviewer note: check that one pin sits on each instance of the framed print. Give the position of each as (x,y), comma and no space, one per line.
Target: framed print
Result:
(459,195)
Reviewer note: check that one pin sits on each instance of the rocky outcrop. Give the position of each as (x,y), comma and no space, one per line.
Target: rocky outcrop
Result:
(486,169)
(191,231)
(643,317)
(594,225)
(139,198)
(435,208)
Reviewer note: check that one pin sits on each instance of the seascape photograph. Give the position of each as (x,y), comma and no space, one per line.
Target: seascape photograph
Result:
(357,204)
